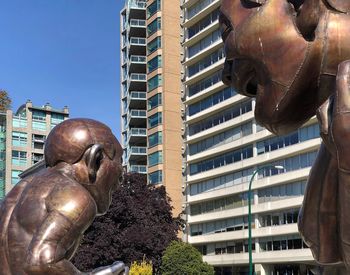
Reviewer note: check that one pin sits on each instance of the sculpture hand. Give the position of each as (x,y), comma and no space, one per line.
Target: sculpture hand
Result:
(334,118)
(117,268)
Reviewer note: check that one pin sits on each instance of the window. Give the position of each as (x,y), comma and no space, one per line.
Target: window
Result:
(221,160)
(211,101)
(196,8)
(154,101)
(19,139)
(153,8)
(19,158)
(202,24)
(155,177)
(36,158)
(155,139)
(154,63)
(39,115)
(204,43)
(39,125)
(155,120)
(221,139)
(155,158)
(56,119)
(154,26)
(154,45)
(205,83)
(15,176)
(206,62)
(223,116)
(154,82)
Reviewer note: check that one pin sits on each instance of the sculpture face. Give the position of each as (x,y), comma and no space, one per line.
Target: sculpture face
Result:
(282,58)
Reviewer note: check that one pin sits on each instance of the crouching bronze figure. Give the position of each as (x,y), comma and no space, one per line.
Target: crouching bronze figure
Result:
(293,57)
(43,217)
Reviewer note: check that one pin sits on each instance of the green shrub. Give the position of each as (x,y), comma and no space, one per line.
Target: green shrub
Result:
(182,258)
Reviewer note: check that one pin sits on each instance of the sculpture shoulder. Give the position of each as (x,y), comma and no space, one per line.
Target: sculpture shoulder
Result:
(72,200)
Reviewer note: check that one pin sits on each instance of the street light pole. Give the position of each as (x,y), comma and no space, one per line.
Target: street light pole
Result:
(250,214)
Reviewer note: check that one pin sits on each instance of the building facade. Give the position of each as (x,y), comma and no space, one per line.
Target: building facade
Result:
(150,93)
(224,146)
(22,137)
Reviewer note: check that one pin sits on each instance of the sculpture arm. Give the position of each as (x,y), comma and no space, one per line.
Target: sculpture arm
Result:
(70,211)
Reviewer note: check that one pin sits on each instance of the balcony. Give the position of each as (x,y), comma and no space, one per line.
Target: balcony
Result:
(137,136)
(137,153)
(137,27)
(137,100)
(142,169)
(137,82)
(137,118)
(137,46)
(137,64)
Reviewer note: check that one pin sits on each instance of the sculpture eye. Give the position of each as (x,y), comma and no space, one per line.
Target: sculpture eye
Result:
(225,26)
(250,4)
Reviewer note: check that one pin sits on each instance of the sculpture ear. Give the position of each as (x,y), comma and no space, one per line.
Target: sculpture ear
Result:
(93,159)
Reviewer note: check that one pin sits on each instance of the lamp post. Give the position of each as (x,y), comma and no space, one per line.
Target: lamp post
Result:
(250,214)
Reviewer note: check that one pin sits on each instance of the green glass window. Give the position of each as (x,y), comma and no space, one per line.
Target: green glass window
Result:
(154,63)
(155,158)
(154,26)
(154,101)
(19,139)
(155,177)
(155,139)
(15,176)
(19,158)
(155,120)
(155,44)
(39,115)
(56,118)
(39,125)
(153,8)
(154,82)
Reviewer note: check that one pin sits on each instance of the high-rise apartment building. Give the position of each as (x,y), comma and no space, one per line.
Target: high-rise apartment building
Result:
(150,93)
(224,146)
(22,137)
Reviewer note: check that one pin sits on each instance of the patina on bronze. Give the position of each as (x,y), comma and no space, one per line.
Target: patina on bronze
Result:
(292,56)
(43,217)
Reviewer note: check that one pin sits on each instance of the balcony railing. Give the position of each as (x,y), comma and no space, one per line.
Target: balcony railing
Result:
(137,23)
(138,150)
(138,59)
(139,41)
(138,77)
(138,169)
(138,95)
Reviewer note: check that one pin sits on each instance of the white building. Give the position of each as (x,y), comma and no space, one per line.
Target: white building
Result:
(224,146)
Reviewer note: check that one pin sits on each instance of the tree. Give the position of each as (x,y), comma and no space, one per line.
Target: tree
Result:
(5,101)
(138,225)
(182,258)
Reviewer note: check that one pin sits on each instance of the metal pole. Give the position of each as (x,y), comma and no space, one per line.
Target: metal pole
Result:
(250,249)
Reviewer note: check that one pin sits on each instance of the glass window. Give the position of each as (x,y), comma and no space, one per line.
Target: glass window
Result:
(154,101)
(196,8)
(19,139)
(205,83)
(39,125)
(39,115)
(15,176)
(154,63)
(155,158)
(155,120)
(206,62)
(56,119)
(154,26)
(154,45)
(155,139)
(204,43)
(154,82)
(202,24)
(153,8)
(19,158)
(156,177)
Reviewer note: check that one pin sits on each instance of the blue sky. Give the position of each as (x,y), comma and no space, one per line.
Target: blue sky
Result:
(65,52)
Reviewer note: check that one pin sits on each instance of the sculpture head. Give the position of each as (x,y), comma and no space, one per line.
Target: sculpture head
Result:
(285,53)
(93,154)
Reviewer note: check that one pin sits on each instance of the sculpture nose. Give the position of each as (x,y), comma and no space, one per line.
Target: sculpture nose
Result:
(227,72)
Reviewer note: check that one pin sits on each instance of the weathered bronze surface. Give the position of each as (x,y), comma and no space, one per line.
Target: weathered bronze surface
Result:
(43,217)
(291,55)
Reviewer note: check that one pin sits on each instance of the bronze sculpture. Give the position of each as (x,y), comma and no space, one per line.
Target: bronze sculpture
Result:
(43,217)
(292,56)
